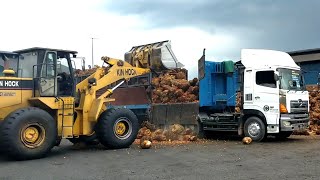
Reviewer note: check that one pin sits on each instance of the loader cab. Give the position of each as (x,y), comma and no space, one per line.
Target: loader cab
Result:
(52,71)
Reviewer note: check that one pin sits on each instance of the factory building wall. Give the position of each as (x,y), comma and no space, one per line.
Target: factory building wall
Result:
(311,71)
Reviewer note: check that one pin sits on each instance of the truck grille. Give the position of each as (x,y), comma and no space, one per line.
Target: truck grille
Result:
(298,106)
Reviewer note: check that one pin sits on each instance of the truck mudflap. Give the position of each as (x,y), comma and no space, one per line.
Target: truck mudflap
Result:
(294,122)
(164,115)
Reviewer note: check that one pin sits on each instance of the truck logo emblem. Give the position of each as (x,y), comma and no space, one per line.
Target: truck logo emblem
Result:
(300,102)
(266,108)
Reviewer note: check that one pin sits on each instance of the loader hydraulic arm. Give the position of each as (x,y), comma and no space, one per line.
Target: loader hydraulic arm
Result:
(118,70)
(90,106)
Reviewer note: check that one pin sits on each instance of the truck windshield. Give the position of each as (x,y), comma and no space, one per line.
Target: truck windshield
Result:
(291,79)
(8,61)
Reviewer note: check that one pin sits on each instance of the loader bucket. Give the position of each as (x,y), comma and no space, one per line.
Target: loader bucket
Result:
(157,56)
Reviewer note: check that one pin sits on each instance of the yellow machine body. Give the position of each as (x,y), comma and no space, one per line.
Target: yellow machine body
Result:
(76,113)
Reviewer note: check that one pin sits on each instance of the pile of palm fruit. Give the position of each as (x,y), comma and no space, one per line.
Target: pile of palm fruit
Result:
(175,132)
(87,72)
(314,113)
(314,104)
(238,103)
(173,87)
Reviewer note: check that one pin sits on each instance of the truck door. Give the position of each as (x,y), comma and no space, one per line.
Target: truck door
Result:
(266,95)
(47,82)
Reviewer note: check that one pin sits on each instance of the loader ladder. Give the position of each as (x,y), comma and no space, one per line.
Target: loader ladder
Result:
(66,116)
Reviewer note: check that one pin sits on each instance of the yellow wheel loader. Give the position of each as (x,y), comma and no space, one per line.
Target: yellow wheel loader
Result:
(41,103)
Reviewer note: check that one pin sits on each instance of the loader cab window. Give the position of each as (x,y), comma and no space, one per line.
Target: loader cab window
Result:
(8,61)
(266,79)
(47,79)
(65,81)
(26,63)
(49,64)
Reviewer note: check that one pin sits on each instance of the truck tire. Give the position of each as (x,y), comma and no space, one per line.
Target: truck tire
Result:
(117,128)
(199,130)
(255,129)
(28,133)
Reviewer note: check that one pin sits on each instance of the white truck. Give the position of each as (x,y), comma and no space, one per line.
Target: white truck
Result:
(273,95)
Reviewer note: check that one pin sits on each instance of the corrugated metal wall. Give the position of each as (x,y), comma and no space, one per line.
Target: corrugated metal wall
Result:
(311,71)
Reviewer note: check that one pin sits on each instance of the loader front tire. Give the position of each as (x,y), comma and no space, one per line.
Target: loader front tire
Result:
(28,133)
(117,128)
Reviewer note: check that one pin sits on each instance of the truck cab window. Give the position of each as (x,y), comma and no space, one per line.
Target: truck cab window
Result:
(291,79)
(266,78)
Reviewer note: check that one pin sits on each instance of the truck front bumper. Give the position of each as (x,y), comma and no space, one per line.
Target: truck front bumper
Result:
(293,122)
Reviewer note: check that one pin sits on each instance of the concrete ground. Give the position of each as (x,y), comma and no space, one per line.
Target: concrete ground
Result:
(295,158)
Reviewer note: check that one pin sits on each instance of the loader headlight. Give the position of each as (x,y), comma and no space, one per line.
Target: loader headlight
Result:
(286,123)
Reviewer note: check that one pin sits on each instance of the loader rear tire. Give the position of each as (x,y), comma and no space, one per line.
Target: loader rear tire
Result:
(117,128)
(28,133)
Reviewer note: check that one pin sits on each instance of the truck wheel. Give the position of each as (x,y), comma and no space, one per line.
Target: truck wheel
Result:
(255,128)
(28,133)
(117,128)
(200,132)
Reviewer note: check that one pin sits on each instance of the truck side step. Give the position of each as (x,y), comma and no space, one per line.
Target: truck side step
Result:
(220,129)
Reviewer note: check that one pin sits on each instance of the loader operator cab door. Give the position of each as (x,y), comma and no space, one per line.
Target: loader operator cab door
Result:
(65,80)
(47,81)
(57,74)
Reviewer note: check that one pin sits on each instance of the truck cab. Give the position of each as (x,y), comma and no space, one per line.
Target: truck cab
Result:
(274,86)
(270,86)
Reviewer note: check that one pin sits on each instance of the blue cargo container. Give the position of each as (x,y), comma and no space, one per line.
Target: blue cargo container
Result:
(218,87)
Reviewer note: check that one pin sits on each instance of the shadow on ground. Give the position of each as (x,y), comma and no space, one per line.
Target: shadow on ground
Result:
(226,136)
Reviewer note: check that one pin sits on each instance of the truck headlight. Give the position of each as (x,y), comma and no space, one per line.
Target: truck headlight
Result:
(286,123)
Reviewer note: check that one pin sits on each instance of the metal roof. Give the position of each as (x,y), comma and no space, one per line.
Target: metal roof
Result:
(41,48)
(305,51)
(8,53)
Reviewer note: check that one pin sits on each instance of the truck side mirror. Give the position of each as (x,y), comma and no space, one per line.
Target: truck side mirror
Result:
(276,77)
